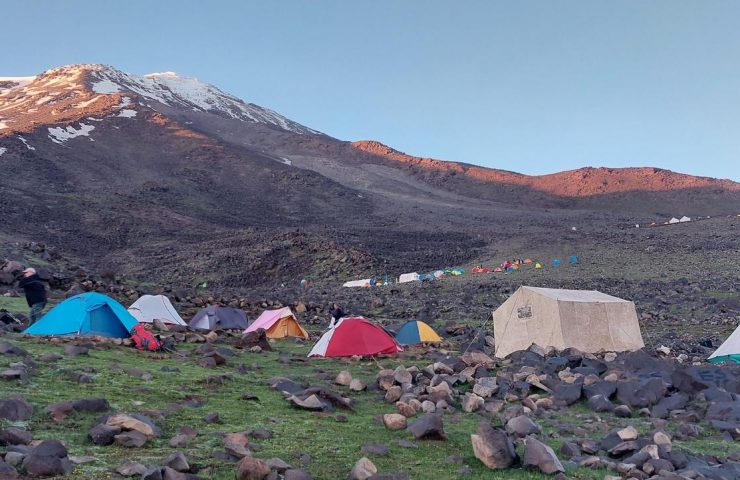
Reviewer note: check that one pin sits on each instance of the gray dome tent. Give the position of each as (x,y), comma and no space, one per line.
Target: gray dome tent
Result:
(219,318)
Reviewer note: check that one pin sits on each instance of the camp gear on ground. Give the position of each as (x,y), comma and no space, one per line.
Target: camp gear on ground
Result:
(150,307)
(87,314)
(414,332)
(588,320)
(219,318)
(479,269)
(144,339)
(278,323)
(354,336)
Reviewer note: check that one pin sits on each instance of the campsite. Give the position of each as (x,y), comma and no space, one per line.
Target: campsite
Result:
(215,388)
(387,240)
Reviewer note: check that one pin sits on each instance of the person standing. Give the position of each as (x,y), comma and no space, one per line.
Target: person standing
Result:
(336,313)
(35,292)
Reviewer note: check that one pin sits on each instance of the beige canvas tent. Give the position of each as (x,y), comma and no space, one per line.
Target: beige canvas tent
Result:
(588,320)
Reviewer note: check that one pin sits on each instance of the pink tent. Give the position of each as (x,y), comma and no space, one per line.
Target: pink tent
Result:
(279,323)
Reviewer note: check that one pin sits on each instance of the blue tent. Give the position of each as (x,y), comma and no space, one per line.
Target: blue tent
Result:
(414,332)
(86,314)
(555,262)
(573,259)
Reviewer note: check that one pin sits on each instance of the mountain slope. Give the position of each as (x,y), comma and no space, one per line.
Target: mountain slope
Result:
(165,176)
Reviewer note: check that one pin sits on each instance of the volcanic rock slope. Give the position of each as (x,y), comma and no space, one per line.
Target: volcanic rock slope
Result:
(170,179)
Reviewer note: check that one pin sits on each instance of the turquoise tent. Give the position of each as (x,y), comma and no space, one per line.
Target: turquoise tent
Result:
(87,314)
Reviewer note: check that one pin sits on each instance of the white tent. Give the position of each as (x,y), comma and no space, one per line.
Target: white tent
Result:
(588,320)
(729,350)
(149,307)
(674,220)
(408,277)
(366,282)
(685,219)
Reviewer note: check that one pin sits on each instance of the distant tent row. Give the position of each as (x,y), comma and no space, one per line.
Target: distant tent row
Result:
(590,321)
(95,314)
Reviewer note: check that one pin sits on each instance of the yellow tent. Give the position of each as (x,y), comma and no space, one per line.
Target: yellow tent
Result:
(279,323)
(537,265)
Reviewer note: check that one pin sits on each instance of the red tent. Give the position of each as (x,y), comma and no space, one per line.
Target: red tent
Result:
(354,336)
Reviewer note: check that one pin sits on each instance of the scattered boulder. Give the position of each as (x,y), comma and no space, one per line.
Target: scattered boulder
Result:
(356,385)
(537,454)
(493,447)
(250,468)
(177,461)
(428,427)
(15,436)
(131,468)
(237,445)
(15,409)
(394,421)
(363,469)
(521,426)
(102,434)
(48,459)
(131,439)
(343,378)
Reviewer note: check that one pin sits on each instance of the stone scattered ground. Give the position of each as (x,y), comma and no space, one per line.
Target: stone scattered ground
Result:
(254,403)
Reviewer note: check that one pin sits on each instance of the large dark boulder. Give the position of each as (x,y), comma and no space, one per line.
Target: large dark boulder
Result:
(607,389)
(567,393)
(15,409)
(257,338)
(641,393)
(15,436)
(428,427)
(47,459)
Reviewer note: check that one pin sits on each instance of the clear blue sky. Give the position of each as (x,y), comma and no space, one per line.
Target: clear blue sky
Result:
(530,86)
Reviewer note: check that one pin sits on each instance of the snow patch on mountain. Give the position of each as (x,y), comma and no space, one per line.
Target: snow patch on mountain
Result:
(61,135)
(126,113)
(170,89)
(16,82)
(3,150)
(25,142)
(106,87)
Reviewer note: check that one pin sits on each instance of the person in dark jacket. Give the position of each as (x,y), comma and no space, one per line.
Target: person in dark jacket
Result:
(336,314)
(35,293)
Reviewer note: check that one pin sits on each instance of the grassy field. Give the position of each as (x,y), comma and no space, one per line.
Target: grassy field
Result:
(328,444)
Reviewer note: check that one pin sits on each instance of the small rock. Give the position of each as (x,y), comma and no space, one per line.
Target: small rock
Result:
(521,426)
(250,468)
(131,439)
(356,385)
(343,378)
(394,421)
(177,461)
(131,468)
(363,469)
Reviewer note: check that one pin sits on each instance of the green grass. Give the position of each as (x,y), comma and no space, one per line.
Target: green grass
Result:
(14,304)
(333,446)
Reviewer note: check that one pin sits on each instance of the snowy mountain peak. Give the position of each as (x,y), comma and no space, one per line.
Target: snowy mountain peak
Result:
(96,82)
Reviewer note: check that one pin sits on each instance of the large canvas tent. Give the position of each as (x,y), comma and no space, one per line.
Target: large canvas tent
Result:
(219,318)
(729,350)
(588,320)
(86,314)
(354,336)
(278,323)
(150,307)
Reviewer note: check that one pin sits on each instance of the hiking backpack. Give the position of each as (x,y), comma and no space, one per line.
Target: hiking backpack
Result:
(144,340)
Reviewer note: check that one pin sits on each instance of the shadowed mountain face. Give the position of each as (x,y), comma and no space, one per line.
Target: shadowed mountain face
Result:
(169,178)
